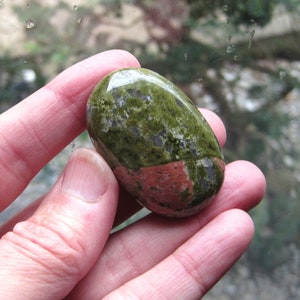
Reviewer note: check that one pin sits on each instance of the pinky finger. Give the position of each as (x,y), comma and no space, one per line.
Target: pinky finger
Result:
(196,265)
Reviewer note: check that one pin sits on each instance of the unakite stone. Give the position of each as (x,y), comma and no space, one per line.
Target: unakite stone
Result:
(159,146)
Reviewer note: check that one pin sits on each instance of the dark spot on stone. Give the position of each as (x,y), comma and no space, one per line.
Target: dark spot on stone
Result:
(146,123)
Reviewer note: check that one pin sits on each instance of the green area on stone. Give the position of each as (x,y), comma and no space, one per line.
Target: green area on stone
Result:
(137,118)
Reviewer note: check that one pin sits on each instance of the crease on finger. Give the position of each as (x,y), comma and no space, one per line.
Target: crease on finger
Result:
(192,269)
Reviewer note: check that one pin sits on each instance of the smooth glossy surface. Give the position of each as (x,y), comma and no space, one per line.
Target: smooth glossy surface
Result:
(159,146)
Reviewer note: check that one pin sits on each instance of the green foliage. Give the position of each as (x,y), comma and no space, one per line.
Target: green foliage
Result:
(250,11)
(239,12)
(13,86)
(181,63)
(53,44)
(291,5)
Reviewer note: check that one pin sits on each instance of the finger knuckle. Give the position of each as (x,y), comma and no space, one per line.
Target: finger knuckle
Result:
(57,251)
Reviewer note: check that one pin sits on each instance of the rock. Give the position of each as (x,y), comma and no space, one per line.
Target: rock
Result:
(159,146)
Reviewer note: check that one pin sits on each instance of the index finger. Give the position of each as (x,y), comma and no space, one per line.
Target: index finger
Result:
(35,130)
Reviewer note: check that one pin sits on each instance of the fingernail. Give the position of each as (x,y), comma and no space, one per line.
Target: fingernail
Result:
(84,176)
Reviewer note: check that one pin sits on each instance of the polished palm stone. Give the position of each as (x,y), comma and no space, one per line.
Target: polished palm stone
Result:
(159,146)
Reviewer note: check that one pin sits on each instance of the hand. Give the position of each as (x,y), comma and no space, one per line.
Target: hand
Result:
(61,247)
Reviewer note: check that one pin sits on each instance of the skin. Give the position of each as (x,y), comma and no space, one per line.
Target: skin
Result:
(61,247)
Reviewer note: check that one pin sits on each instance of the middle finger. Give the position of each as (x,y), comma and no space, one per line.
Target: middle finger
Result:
(136,249)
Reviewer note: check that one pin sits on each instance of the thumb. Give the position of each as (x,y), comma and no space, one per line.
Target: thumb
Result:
(46,255)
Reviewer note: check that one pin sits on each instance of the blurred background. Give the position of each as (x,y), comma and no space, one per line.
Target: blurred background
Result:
(240,59)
